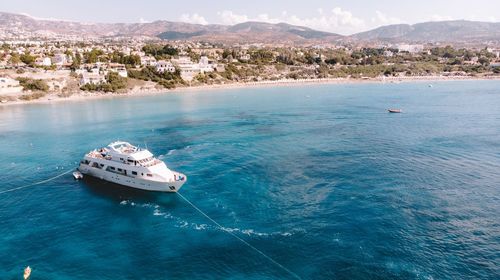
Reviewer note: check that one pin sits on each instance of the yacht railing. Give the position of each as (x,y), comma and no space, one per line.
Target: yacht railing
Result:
(150,163)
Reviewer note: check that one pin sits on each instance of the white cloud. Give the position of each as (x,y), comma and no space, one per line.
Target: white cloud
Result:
(486,19)
(383,19)
(230,18)
(193,18)
(337,20)
(267,18)
(345,18)
(42,18)
(440,18)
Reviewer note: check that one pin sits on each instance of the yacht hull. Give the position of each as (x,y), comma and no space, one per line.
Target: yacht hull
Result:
(133,182)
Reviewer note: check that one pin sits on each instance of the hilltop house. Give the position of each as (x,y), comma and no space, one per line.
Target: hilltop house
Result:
(164,66)
(190,69)
(206,65)
(43,61)
(92,78)
(148,61)
(59,59)
(244,57)
(118,68)
(212,52)
(388,53)
(410,48)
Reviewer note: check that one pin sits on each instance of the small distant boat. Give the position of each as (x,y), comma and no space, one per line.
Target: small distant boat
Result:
(395,110)
(27,272)
(430,85)
(77,175)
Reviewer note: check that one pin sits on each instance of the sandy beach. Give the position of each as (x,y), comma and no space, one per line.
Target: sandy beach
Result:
(81,96)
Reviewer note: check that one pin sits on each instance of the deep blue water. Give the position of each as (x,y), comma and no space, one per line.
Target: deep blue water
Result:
(320,178)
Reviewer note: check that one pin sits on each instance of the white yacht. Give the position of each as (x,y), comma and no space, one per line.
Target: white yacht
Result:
(128,165)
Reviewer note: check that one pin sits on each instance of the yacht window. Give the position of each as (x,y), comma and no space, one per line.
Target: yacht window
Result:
(121,158)
(150,175)
(119,169)
(130,160)
(101,165)
(112,168)
(134,173)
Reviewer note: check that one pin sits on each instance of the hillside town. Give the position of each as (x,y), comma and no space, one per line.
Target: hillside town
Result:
(31,69)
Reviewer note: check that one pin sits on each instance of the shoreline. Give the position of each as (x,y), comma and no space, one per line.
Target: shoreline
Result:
(83,96)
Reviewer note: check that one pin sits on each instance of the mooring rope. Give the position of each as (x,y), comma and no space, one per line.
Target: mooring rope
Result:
(239,238)
(37,183)
(192,205)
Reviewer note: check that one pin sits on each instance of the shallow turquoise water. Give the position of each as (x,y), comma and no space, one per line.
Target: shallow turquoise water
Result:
(320,178)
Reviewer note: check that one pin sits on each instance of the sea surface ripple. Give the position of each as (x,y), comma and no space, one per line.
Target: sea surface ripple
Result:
(320,178)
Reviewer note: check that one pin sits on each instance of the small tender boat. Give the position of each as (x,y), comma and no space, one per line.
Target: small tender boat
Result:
(395,110)
(27,272)
(77,175)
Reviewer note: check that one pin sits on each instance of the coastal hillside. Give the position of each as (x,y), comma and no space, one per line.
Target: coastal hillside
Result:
(452,32)
(250,32)
(253,32)
(17,24)
(460,31)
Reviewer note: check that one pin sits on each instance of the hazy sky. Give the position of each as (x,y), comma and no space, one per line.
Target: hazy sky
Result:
(340,16)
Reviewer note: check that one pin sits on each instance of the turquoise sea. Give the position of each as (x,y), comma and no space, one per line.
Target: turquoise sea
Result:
(320,178)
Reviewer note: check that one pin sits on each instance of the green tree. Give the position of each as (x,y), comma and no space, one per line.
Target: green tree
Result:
(27,59)
(77,61)
(93,56)
(114,83)
(159,51)
(32,84)
(484,61)
(14,59)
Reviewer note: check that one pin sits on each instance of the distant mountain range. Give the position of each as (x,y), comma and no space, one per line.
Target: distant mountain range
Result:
(255,32)
(249,32)
(444,31)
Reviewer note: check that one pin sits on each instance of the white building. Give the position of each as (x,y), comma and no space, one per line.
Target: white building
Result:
(9,86)
(388,54)
(245,57)
(205,65)
(59,59)
(164,66)
(148,61)
(410,48)
(190,69)
(92,78)
(118,68)
(43,61)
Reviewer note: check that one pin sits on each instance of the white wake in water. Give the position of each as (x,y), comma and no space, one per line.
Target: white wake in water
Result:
(188,147)
(180,223)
